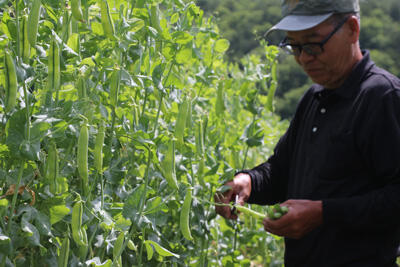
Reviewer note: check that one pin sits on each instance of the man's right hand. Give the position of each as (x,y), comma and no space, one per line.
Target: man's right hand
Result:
(241,187)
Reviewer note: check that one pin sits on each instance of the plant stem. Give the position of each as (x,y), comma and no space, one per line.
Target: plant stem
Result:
(14,199)
(146,182)
(28,122)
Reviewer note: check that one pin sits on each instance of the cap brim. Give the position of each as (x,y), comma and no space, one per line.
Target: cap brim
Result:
(298,22)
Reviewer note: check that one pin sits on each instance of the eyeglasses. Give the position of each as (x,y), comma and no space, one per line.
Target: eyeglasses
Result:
(312,49)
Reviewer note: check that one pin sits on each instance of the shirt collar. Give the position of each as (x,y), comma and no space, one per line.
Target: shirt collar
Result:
(350,86)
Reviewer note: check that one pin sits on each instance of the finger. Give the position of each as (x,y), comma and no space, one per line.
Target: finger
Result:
(224,211)
(277,224)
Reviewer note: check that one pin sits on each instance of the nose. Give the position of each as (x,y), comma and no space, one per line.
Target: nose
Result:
(304,57)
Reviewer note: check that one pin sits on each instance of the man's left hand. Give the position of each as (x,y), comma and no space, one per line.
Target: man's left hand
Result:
(302,217)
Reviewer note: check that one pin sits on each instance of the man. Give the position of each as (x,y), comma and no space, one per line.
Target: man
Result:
(337,168)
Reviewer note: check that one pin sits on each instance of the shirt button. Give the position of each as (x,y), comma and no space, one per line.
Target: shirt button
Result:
(323,110)
(314,129)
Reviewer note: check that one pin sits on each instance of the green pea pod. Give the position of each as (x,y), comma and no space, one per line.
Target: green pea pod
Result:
(184,216)
(200,172)
(106,19)
(24,46)
(76,10)
(83,249)
(78,233)
(250,212)
(168,165)
(81,87)
(98,148)
(199,139)
(114,87)
(33,22)
(82,157)
(66,30)
(54,71)
(11,83)
(189,114)
(219,104)
(181,121)
(276,211)
(64,253)
(154,18)
(52,170)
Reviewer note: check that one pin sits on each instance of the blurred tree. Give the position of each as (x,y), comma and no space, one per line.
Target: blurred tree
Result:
(245,22)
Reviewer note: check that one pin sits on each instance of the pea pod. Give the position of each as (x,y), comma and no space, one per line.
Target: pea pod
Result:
(77,10)
(106,19)
(273,212)
(66,30)
(114,87)
(181,121)
(54,71)
(64,253)
(168,165)
(276,211)
(219,104)
(11,83)
(199,139)
(81,87)
(98,148)
(154,18)
(52,168)
(184,216)
(33,22)
(250,212)
(78,232)
(24,46)
(82,157)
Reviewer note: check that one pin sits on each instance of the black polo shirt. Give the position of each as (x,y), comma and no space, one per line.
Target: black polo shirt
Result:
(342,147)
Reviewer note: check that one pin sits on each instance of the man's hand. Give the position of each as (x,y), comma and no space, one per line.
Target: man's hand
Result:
(303,216)
(241,187)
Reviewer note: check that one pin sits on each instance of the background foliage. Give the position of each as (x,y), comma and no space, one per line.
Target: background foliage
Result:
(244,22)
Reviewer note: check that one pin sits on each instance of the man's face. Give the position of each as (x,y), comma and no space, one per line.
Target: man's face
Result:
(330,68)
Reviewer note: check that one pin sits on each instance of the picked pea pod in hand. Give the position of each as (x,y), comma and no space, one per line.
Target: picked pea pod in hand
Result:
(274,212)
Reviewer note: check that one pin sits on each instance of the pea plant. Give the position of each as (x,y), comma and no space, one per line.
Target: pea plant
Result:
(119,121)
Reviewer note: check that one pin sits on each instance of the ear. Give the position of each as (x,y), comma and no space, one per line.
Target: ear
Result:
(354,27)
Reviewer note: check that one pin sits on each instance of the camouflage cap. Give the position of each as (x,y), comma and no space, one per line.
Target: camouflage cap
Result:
(304,14)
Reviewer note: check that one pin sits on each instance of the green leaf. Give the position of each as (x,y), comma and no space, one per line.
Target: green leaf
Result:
(131,207)
(161,250)
(157,76)
(31,231)
(154,205)
(174,18)
(42,223)
(57,213)
(136,24)
(184,55)
(96,262)
(149,250)
(5,244)
(182,37)
(253,134)
(221,45)
(16,132)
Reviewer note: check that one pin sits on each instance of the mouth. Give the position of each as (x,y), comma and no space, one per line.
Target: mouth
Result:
(313,72)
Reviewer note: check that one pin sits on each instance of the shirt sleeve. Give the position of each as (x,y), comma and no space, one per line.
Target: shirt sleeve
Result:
(380,148)
(269,179)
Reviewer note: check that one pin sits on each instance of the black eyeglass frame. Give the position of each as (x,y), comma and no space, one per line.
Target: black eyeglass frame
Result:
(310,48)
